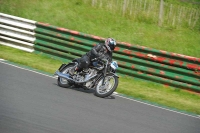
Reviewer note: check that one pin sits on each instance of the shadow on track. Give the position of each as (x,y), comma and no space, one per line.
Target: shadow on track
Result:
(80,89)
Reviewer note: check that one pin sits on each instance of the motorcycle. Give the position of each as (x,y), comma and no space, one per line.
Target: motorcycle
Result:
(101,77)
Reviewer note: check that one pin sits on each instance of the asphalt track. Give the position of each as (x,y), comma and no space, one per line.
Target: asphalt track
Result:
(33,103)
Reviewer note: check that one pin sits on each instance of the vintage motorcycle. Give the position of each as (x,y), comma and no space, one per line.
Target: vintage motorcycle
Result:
(102,77)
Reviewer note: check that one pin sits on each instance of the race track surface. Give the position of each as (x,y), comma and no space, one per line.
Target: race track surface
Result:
(33,103)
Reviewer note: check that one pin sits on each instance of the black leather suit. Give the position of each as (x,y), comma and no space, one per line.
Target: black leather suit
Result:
(98,51)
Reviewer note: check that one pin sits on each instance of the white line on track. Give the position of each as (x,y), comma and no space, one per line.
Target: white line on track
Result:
(25,69)
(198,116)
(115,93)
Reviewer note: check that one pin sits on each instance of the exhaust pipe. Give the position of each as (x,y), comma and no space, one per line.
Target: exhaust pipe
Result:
(66,76)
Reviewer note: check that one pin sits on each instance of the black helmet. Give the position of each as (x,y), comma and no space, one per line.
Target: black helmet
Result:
(110,44)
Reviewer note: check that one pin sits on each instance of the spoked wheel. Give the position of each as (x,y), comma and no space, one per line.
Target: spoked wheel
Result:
(109,86)
(62,81)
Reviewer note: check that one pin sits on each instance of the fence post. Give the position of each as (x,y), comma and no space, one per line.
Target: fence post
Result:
(160,20)
(93,2)
(124,7)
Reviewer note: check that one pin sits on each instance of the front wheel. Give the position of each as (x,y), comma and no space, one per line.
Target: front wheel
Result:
(62,82)
(109,86)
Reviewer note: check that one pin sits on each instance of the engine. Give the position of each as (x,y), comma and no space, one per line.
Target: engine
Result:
(91,73)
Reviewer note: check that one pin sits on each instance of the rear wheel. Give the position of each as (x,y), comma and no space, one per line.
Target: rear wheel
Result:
(62,81)
(110,85)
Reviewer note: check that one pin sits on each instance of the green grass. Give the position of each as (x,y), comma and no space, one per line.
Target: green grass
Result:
(77,15)
(143,90)
(187,3)
(33,60)
(163,95)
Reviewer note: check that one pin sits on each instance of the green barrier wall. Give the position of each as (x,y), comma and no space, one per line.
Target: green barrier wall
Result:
(137,61)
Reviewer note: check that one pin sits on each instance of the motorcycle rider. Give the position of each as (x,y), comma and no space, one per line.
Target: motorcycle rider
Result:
(101,50)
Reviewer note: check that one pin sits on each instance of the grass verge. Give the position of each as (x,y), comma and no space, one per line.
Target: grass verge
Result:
(153,92)
(77,15)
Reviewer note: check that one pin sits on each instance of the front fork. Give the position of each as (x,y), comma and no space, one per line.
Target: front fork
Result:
(104,73)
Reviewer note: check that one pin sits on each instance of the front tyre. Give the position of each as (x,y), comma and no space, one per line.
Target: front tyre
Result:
(110,85)
(62,82)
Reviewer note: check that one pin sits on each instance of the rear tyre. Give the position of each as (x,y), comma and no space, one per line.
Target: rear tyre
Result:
(62,82)
(111,83)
